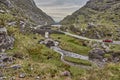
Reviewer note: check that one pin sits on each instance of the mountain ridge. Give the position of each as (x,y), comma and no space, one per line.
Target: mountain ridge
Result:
(99,14)
(29,9)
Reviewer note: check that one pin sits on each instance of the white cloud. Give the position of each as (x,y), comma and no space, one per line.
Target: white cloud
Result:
(58,9)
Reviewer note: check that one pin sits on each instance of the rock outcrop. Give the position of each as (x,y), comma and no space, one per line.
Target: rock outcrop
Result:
(6,42)
(96,53)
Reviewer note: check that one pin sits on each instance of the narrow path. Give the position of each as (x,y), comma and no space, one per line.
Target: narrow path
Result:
(85,38)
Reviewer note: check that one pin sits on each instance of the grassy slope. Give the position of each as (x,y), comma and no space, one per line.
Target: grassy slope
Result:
(108,19)
(71,44)
(36,56)
(78,61)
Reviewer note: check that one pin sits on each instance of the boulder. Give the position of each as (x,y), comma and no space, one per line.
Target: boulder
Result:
(96,53)
(6,42)
(50,43)
(116,56)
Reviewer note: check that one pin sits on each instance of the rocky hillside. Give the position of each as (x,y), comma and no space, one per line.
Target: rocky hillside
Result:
(97,19)
(26,9)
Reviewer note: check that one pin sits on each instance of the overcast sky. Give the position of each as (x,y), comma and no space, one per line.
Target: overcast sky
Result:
(58,9)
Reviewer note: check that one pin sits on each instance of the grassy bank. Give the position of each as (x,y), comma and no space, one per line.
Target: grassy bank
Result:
(78,61)
(71,44)
(45,62)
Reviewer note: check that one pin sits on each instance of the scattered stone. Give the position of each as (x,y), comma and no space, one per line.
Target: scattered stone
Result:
(12,23)
(15,67)
(22,75)
(66,73)
(96,53)
(38,78)
(31,68)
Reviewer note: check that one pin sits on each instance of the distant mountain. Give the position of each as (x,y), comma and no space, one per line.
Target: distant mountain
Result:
(97,19)
(27,9)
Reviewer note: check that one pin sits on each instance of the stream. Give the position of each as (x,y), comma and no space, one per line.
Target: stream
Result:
(73,55)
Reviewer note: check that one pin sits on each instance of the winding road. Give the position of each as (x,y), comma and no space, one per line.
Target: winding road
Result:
(85,38)
(74,55)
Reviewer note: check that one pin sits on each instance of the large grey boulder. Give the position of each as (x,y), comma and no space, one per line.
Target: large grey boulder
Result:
(6,42)
(96,53)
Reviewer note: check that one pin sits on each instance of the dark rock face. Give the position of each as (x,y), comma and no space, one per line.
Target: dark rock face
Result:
(6,42)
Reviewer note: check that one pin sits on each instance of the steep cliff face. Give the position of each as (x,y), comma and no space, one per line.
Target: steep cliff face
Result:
(102,15)
(28,9)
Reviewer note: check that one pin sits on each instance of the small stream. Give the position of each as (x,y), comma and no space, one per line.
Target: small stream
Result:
(73,55)
(70,54)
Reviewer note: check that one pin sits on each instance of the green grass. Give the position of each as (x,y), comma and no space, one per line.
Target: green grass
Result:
(45,62)
(115,47)
(78,61)
(71,44)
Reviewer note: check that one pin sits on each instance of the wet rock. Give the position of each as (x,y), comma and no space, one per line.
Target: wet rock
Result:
(22,75)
